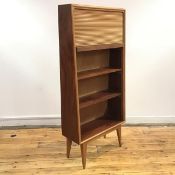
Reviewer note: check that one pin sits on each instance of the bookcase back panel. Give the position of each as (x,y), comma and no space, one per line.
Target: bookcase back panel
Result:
(93,27)
(93,112)
(92,60)
(115,60)
(115,81)
(114,109)
(93,85)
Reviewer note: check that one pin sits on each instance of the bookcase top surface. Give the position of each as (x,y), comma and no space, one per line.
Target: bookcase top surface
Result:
(81,6)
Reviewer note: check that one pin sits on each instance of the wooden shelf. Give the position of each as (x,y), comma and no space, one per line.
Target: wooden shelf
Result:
(97,98)
(98,47)
(97,127)
(96,72)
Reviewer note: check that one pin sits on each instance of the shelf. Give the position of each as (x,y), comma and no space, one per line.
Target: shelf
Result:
(98,47)
(97,127)
(97,98)
(96,72)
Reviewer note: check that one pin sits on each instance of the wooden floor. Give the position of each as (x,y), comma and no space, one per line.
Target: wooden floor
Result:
(145,151)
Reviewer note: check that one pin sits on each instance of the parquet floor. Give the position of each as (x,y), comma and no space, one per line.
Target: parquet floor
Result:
(145,151)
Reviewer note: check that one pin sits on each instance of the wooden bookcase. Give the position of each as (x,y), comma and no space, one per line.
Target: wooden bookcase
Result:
(92,64)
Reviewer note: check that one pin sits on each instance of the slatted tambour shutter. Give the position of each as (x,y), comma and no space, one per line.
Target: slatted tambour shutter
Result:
(94,26)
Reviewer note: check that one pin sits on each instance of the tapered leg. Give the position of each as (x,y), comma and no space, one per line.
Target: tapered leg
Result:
(105,136)
(119,135)
(83,154)
(69,143)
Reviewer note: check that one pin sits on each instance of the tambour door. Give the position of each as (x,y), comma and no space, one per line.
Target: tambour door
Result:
(94,26)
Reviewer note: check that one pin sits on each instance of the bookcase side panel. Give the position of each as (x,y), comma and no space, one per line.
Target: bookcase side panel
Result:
(69,100)
(123,69)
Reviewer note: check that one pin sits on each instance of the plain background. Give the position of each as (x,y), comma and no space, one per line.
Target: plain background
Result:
(29,60)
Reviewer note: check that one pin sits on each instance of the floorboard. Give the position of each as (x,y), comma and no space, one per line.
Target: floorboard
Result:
(145,151)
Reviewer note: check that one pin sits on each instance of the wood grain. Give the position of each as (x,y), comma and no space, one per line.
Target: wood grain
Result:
(93,27)
(83,154)
(96,72)
(92,60)
(119,136)
(69,144)
(123,69)
(86,32)
(98,47)
(144,151)
(68,74)
(100,8)
(97,98)
(92,85)
(93,112)
(98,127)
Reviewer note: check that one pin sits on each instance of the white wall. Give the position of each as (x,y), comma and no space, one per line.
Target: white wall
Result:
(29,60)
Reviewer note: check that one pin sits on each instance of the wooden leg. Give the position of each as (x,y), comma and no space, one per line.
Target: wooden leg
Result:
(69,143)
(105,136)
(119,135)
(83,154)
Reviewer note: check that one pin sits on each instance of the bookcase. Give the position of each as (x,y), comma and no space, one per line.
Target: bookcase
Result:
(92,71)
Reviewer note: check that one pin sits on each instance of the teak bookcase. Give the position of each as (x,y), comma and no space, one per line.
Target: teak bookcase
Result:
(92,63)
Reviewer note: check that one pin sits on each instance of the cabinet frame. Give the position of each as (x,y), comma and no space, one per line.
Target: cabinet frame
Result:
(71,103)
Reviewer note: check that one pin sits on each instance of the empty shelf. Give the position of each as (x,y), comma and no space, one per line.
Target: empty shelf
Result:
(96,72)
(98,127)
(97,98)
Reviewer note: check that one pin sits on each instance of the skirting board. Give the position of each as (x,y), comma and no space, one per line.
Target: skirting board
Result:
(35,120)
(42,120)
(150,120)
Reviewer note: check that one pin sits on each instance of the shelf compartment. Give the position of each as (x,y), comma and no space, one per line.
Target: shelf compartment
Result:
(97,98)
(98,127)
(98,47)
(96,72)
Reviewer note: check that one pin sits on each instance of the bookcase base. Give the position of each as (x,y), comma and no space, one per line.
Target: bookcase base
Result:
(83,146)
